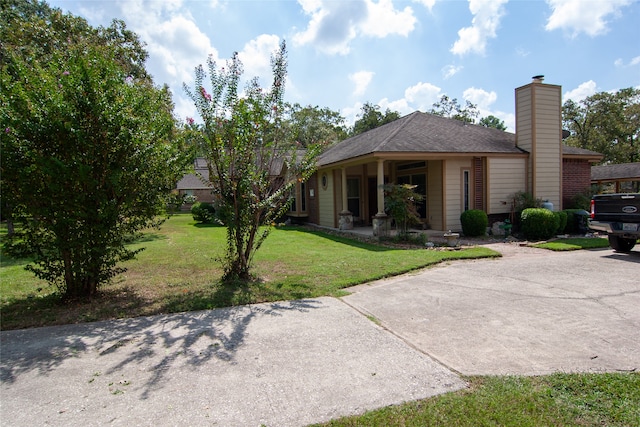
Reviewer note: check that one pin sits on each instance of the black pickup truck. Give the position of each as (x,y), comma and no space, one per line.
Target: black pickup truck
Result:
(619,216)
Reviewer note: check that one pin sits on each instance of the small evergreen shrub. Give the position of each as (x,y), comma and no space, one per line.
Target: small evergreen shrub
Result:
(562,221)
(539,223)
(474,222)
(203,212)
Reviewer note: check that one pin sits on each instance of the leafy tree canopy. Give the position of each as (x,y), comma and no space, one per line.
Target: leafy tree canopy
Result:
(253,162)
(371,117)
(492,122)
(606,122)
(89,146)
(314,125)
(451,108)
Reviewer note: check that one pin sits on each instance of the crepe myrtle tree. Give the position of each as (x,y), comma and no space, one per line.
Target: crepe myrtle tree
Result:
(252,165)
(89,154)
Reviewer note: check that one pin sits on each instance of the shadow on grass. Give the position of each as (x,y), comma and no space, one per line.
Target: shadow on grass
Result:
(351,241)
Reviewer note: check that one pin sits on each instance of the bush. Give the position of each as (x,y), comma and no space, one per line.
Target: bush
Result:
(474,222)
(203,212)
(576,223)
(562,221)
(539,223)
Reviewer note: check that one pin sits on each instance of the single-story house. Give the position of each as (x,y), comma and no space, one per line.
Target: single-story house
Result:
(196,184)
(456,166)
(623,177)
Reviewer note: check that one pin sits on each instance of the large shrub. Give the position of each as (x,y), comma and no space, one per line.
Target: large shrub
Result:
(474,222)
(538,223)
(562,221)
(203,212)
(576,221)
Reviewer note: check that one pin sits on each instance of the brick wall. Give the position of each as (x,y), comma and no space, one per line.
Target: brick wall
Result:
(576,179)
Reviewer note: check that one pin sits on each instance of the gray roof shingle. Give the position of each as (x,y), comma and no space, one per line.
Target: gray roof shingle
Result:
(423,132)
(616,172)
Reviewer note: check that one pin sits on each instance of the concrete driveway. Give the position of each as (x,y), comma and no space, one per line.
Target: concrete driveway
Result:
(531,312)
(299,362)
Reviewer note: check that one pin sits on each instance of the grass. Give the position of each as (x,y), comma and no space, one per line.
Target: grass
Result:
(572,244)
(178,271)
(561,399)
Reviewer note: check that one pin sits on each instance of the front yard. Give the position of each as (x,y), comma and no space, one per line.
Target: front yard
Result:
(178,271)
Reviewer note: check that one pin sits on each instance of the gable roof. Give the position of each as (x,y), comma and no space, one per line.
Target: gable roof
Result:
(423,132)
(622,171)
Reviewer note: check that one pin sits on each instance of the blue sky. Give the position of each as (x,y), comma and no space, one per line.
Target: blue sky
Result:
(402,55)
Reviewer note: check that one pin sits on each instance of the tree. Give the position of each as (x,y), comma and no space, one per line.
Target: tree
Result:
(89,151)
(314,125)
(400,202)
(252,165)
(371,118)
(608,123)
(492,122)
(451,108)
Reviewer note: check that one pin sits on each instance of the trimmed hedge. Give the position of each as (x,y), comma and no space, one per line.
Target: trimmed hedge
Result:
(203,212)
(539,223)
(474,222)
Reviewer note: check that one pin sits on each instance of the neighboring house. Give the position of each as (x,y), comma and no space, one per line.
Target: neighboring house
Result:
(455,165)
(196,184)
(622,177)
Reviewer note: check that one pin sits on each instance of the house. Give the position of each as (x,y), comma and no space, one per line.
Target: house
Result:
(456,166)
(196,184)
(623,177)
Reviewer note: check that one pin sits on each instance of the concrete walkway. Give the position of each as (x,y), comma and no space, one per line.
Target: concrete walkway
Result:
(300,362)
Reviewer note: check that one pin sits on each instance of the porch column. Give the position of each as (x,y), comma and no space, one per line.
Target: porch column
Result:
(345,222)
(380,185)
(380,221)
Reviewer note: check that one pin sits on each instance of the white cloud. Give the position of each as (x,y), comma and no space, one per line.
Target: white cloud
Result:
(361,79)
(580,16)
(334,24)
(383,20)
(484,100)
(480,97)
(256,56)
(451,70)
(620,62)
(581,92)
(426,3)
(422,96)
(486,19)
(399,105)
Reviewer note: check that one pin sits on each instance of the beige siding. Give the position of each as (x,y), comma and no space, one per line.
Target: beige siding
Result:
(326,199)
(506,177)
(453,192)
(434,194)
(538,130)
(548,164)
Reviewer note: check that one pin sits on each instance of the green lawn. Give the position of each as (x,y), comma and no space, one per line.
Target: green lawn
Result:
(572,244)
(178,271)
(611,399)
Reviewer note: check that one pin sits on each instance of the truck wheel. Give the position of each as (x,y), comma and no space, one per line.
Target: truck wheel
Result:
(621,244)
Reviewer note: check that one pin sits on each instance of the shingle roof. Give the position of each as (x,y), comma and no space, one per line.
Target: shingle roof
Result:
(616,172)
(423,132)
(575,151)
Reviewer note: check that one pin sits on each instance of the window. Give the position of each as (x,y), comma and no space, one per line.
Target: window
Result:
(420,181)
(353,196)
(466,190)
